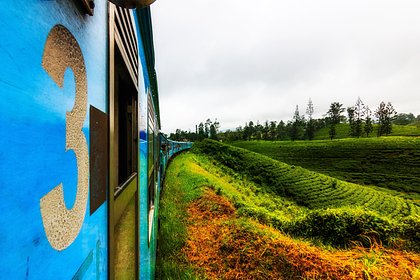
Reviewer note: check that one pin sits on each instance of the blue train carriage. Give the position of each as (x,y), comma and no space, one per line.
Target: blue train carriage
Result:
(79,149)
(167,150)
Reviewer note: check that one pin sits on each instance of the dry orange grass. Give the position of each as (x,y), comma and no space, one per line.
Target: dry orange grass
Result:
(224,249)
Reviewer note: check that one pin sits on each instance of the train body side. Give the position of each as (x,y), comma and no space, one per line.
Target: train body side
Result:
(33,120)
(63,146)
(169,148)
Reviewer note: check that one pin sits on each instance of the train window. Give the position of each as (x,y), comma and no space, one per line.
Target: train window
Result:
(127,121)
(151,151)
(88,6)
(124,105)
(156,153)
(125,39)
(151,160)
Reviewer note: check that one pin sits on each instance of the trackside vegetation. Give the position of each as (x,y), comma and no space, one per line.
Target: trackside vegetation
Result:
(183,186)
(389,162)
(220,218)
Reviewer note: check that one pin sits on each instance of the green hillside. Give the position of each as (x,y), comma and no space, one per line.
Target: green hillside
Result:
(390,162)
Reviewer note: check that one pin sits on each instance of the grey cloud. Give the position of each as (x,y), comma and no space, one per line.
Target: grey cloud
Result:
(239,60)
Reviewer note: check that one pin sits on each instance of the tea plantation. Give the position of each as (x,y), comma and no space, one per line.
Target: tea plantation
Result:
(390,162)
(337,212)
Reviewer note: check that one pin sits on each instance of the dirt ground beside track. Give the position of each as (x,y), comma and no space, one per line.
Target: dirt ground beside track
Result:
(225,247)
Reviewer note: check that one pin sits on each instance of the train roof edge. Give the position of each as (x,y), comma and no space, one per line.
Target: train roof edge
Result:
(145,26)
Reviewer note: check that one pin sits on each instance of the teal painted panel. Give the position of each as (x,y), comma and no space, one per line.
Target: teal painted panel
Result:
(144,88)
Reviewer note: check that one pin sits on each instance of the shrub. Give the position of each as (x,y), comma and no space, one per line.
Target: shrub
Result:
(341,227)
(410,230)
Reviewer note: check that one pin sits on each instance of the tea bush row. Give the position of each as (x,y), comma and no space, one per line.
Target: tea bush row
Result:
(390,162)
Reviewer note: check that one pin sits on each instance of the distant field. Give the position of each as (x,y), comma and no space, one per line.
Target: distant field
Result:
(343,131)
(390,162)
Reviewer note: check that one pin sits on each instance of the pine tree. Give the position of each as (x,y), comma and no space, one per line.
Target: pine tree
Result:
(334,114)
(368,121)
(213,132)
(350,113)
(216,125)
(207,127)
(265,131)
(385,115)
(272,130)
(359,109)
(201,131)
(281,131)
(296,126)
(310,125)
(391,113)
(310,109)
(258,131)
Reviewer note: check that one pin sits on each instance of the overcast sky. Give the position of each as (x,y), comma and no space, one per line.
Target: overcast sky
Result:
(242,60)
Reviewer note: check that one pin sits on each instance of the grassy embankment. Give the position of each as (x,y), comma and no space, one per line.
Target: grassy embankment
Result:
(204,234)
(390,162)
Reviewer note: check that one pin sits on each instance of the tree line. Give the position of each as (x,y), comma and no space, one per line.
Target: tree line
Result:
(359,117)
(207,129)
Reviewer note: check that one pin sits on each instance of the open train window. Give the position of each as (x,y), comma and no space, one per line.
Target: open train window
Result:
(151,160)
(88,6)
(151,129)
(126,95)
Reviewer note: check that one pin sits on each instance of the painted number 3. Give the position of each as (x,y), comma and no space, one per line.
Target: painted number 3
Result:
(62,225)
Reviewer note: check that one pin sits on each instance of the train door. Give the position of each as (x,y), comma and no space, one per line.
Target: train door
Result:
(123,177)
